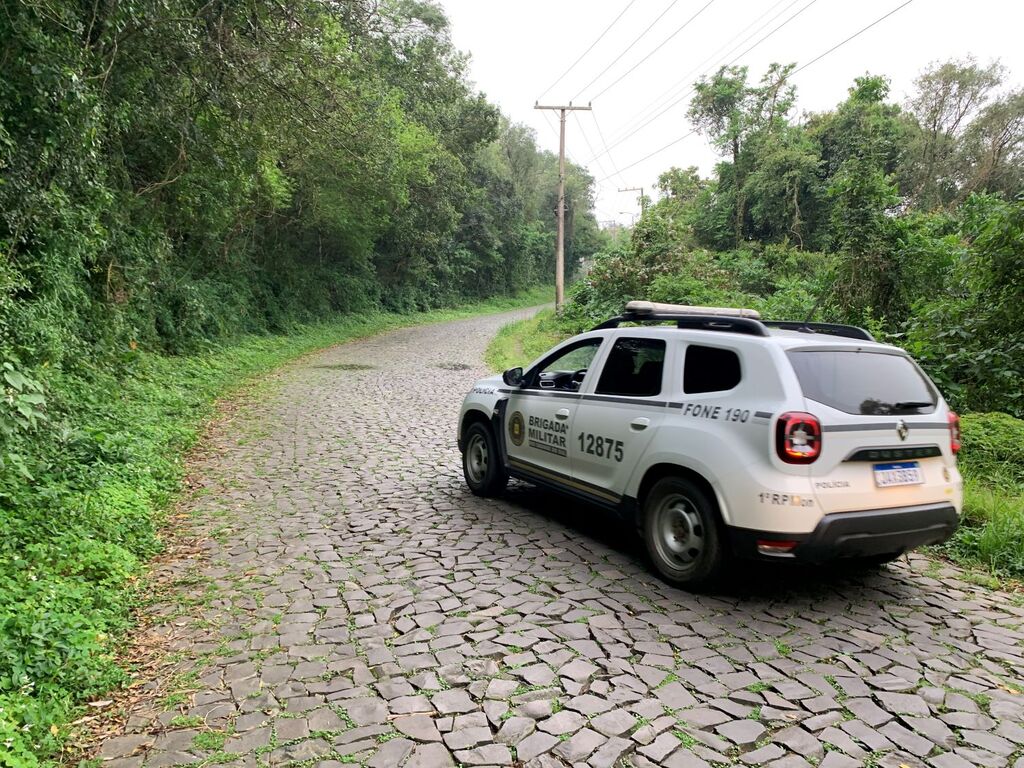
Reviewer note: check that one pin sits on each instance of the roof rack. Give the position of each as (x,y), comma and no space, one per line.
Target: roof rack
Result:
(831,329)
(746,325)
(727,319)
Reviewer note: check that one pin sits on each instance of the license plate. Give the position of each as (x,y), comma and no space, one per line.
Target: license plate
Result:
(898,473)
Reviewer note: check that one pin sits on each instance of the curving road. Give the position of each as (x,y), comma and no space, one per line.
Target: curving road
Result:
(353,603)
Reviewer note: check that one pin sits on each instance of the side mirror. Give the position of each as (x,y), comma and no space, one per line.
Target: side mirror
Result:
(513,377)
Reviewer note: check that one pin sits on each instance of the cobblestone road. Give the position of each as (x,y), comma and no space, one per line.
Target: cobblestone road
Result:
(355,604)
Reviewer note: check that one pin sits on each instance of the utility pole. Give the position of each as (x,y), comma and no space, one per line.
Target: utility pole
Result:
(643,202)
(560,247)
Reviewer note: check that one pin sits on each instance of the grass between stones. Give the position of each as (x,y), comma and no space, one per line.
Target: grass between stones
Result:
(106,466)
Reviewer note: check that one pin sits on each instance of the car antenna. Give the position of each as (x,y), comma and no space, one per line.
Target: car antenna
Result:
(813,310)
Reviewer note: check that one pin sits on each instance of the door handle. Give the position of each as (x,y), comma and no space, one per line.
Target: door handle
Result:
(562,413)
(639,425)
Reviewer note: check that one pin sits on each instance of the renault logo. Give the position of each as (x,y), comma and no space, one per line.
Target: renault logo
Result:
(902,429)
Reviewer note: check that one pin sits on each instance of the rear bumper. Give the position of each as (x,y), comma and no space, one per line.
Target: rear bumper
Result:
(863,533)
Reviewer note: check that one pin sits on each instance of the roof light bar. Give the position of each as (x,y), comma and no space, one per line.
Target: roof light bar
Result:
(641,308)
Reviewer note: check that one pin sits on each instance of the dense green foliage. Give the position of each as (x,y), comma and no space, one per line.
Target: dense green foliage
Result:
(174,175)
(173,172)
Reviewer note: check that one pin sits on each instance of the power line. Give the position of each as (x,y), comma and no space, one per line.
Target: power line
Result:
(655,152)
(851,37)
(650,120)
(627,50)
(668,93)
(586,140)
(657,48)
(608,152)
(804,66)
(589,49)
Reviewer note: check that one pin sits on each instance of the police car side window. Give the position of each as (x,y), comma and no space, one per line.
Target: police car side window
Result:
(710,369)
(565,371)
(634,368)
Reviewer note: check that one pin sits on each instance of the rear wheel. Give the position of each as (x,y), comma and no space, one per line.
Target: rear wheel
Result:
(481,464)
(681,532)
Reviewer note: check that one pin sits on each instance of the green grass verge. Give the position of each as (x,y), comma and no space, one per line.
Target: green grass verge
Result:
(991,535)
(81,501)
(523,341)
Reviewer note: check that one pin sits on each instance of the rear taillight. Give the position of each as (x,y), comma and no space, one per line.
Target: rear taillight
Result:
(954,432)
(798,437)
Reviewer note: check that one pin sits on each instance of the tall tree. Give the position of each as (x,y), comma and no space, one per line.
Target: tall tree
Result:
(948,96)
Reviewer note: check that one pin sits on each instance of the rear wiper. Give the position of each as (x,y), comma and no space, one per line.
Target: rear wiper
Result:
(906,404)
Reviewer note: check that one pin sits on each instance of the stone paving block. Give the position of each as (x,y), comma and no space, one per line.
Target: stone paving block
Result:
(871,738)
(949,760)
(535,744)
(580,746)
(515,729)
(741,732)
(839,760)
(660,748)
(906,739)
(430,756)
(904,704)
(609,752)
(124,746)
(613,723)
(418,727)
(989,741)
(453,701)
(391,753)
(684,758)
(467,738)
(801,742)
(763,755)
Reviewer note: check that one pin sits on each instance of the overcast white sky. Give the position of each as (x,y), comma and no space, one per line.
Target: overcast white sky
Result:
(519,47)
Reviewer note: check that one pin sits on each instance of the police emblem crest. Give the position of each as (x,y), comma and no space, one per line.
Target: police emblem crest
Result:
(517,428)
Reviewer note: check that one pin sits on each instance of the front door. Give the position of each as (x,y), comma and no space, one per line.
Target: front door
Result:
(539,416)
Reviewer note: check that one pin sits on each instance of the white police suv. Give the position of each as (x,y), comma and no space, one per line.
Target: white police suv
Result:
(722,434)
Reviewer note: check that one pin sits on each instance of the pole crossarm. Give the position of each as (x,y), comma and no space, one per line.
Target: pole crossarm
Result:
(643,205)
(566,107)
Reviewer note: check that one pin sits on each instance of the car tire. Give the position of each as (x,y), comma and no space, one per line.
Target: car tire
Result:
(481,465)
(682,534)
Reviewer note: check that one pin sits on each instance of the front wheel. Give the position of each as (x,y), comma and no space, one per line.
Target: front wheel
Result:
(681,533)
(481,464)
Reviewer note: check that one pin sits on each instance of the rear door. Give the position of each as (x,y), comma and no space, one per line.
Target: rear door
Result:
(885,430)
(615,422)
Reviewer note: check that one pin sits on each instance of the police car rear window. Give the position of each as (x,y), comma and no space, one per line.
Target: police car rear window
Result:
(634,367)
(710,369)
(864,383)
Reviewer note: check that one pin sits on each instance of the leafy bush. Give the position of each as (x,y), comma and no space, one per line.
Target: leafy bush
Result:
(992,529)
(970,337)
(993,449)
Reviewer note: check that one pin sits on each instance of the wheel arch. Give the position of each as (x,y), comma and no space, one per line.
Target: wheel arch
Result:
(470,417)
(659,471)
